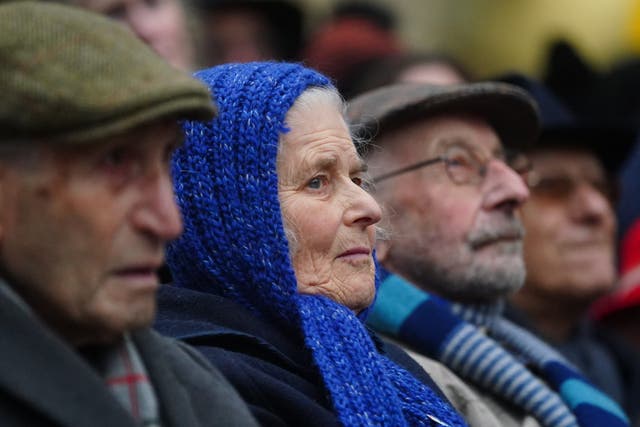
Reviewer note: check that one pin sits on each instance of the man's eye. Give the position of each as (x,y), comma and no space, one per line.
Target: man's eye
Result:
(357,181)
(459,160)
(119,163)
(114,158)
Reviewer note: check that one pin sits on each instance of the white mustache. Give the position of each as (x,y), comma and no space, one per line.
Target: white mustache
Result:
(511,230)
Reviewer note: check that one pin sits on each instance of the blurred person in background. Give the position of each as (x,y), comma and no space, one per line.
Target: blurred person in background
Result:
(408,67)
(570,241)
(88,122)
(447,166)
(355,35)
(620,310)
(162,24)
(249,30)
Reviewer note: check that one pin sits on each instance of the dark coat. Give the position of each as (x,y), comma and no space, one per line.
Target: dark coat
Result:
(44,382)
(271,369)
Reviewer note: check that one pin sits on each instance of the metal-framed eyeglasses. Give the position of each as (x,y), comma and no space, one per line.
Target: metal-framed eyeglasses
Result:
(465,165)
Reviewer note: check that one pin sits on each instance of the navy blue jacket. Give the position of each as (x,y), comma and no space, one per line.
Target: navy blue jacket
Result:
(270,369)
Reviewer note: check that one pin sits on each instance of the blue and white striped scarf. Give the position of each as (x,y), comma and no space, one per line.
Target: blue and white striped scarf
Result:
(557,395)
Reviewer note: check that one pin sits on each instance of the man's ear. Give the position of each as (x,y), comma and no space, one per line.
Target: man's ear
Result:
(382,250)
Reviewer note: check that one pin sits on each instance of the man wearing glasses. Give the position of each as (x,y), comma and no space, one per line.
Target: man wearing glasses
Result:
(447,165)
(569,247)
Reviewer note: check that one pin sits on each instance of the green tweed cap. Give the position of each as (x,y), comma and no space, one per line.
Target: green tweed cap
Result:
(72,76)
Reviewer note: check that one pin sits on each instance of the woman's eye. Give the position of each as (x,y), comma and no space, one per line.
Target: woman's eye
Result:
(317,182)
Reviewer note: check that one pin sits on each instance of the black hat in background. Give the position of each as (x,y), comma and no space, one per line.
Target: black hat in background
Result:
(284,16)
(611,142)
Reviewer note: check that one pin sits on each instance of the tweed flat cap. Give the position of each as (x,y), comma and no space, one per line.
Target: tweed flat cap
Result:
(508,109)
(69,75)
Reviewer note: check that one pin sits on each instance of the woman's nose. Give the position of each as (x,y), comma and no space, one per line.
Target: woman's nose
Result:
(362,209)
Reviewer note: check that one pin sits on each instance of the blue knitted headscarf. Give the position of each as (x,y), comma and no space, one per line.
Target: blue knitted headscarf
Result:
(234,245)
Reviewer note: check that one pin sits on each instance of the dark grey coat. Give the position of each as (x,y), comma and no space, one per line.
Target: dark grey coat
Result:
(44,382)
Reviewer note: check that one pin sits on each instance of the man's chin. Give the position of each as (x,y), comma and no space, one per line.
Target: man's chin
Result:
(135,317)
(497,278)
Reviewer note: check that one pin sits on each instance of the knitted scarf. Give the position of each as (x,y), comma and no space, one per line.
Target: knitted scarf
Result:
(502,361)
(234,245)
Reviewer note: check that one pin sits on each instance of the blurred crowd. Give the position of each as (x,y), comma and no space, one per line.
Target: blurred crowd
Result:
(504,211)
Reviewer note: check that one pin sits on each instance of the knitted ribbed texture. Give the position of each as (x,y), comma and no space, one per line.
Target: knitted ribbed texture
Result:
(557,396)
(234,245)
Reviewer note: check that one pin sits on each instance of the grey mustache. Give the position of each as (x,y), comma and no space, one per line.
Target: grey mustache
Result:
(490,234)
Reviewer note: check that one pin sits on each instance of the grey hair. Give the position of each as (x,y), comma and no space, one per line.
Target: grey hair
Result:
(315,95)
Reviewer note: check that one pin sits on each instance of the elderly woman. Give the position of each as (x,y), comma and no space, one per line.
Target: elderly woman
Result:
(275,269)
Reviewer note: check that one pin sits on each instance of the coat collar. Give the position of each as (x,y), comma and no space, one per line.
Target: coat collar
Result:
(57,375)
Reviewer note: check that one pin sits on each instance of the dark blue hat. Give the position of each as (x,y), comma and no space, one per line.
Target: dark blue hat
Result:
(560,127)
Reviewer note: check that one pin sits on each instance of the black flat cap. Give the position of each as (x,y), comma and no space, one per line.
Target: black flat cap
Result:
(509,110)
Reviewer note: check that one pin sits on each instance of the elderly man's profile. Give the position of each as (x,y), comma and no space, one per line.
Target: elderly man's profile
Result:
(88,123)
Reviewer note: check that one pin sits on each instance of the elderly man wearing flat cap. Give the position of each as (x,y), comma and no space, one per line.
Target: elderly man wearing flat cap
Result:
(447,167)
(88,120)
(569,246)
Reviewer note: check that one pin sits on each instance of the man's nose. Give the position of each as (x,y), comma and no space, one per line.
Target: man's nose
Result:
(590,205)
(158,213)
(503,187)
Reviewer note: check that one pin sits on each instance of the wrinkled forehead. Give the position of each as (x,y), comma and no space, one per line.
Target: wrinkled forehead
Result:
(430,135)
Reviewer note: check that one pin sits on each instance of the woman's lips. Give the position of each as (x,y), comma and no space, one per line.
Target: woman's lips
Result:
(354,253)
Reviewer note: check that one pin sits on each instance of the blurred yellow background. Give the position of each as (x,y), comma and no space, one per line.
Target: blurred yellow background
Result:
(492,36)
